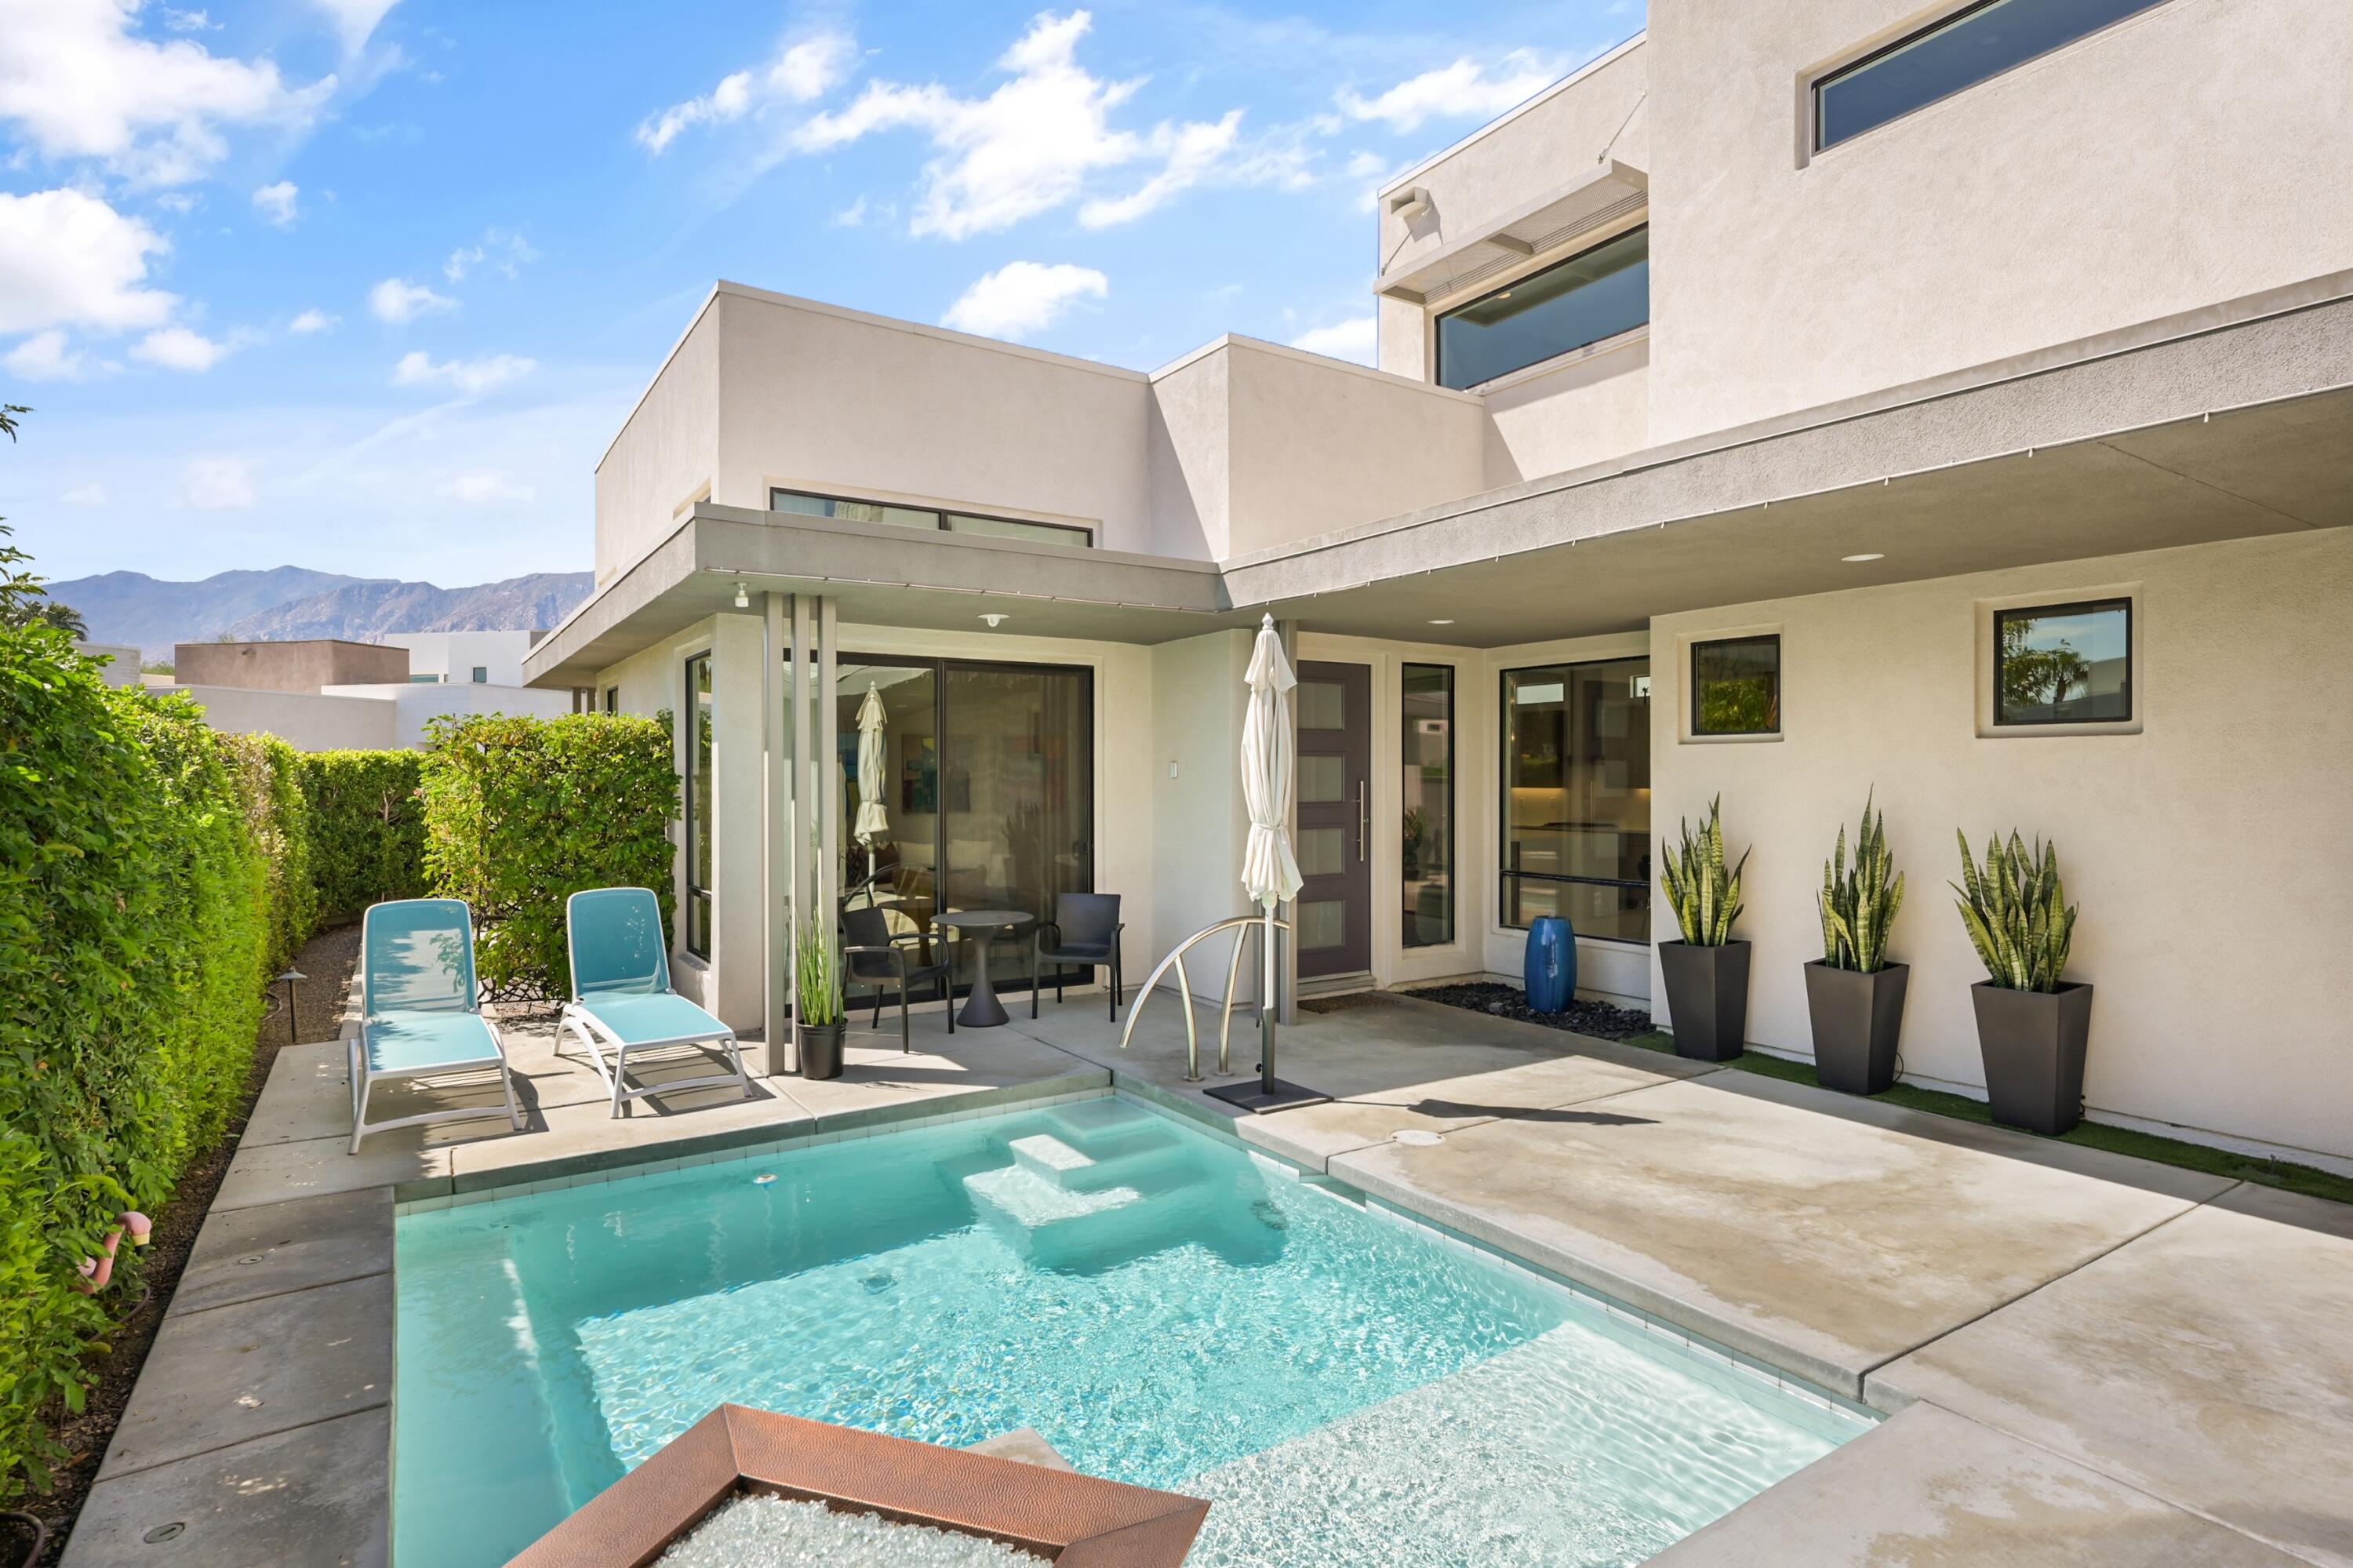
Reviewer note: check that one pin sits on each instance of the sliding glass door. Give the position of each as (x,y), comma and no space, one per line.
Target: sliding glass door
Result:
(986,790)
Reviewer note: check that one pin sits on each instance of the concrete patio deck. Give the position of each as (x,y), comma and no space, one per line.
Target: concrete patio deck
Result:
(2097,1361)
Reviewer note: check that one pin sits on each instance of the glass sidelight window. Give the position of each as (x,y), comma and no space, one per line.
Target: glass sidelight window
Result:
(1576,810)
(1426,793)
(698,805)
(985,796)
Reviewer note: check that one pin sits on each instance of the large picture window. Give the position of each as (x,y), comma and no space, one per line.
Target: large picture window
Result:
(1595,294)
(801,503)
(698,805)
(1735,686)
(2064,663)
(1576,810)
(1974,43)
(1426,794)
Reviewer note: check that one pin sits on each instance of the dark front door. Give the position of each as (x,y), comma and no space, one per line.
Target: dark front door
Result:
(1334,916)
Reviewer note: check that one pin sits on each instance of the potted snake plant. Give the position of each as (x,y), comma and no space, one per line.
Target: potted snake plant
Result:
(1708,971)
(1854,994)
(2033,1027)
(817,1022)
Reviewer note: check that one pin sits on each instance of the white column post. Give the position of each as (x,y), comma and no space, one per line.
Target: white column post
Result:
(827,746)
(777,815)
(797,726)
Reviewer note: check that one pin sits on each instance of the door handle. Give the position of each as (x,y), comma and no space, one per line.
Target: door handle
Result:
(1364,821)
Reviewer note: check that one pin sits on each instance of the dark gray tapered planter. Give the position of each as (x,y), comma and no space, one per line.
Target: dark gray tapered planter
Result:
(2034,1043)
(820,1046)
(1857,1019)
(1707,998)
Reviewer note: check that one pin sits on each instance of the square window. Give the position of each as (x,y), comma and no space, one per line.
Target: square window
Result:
(2064,663)
(1736,686)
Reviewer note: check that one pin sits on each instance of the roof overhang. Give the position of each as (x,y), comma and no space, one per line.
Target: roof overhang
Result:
(1551,223)
(878,575)
(2235,422)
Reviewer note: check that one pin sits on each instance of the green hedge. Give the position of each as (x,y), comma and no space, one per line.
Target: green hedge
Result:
(520,813)
(135,929)
(279,822)
(367,829)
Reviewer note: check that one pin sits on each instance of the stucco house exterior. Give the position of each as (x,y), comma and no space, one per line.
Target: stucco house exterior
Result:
(1758,410)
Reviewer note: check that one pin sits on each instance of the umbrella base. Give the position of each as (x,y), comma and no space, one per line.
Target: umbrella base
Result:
(1259,1097)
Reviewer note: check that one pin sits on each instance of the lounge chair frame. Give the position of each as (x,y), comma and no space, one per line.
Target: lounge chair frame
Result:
(364,1077)
(579,1023)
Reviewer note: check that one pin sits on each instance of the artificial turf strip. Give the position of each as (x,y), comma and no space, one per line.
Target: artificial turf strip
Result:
(2290,1177)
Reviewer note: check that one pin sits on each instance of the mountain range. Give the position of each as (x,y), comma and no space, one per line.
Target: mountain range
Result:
(287,602)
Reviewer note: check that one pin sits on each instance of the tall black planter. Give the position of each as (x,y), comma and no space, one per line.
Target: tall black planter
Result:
(1707,998)
(1857,1019)
(820,1046)
(2034,1043)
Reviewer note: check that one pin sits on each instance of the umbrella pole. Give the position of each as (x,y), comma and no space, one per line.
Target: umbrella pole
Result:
(1266,1007)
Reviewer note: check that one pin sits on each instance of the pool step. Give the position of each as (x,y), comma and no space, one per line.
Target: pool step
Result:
(1077,1185)
(1128,1159)
(1018,1195)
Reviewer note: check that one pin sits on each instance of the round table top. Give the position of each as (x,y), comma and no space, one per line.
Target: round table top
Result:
(978,919)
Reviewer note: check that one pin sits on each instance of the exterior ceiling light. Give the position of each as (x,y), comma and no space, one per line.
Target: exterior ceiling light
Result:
(1441,623)
(995,619)
(1866,555)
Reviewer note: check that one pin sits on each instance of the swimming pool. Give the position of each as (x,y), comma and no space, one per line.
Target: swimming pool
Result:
(1164,1307)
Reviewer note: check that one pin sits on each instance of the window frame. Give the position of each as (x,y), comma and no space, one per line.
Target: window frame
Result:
(692,709)
(612,699)
(1505,875)
(2081,605)
(1439,319)
(1957,16)
(940,517)
(1692,730)
(1454,800)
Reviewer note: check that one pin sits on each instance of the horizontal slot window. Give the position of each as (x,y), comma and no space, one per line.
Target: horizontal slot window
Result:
(1981,41)
(1593,296)
(802,503)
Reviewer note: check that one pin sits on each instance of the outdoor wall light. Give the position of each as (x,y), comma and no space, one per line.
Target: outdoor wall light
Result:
(742,597)
(996,620)
(1866,555)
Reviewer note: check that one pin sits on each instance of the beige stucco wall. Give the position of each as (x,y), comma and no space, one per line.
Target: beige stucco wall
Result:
(2192,154)
(306,721)
(2208,853)
(836,401)
(663,458)
(1587,409)
(296,666)
(1317,445)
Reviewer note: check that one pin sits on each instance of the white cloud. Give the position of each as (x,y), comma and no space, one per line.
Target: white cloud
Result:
(189,21)
(470,376)
(90,495)
(44,356)
(1356,340)
(312,321)
(397,299)
(801,73)
(218,483)
(278,202)
(1462,91)
(1023,297)
(178,348)
(1031,146)
(181,202)
(482,489)
(79,83)
(355,19)
(67,258)
(504,249)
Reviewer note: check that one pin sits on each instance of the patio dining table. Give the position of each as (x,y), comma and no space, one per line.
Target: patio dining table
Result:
(980,928)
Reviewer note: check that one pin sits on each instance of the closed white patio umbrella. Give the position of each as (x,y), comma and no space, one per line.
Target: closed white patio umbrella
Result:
(1270,872)
(873,823)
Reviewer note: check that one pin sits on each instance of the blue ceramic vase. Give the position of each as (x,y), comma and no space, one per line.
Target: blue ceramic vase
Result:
(1551,964)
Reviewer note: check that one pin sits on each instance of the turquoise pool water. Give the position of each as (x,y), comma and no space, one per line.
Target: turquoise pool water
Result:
(1164,1307)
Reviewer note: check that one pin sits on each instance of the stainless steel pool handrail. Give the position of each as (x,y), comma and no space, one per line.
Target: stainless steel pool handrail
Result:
(1263,925)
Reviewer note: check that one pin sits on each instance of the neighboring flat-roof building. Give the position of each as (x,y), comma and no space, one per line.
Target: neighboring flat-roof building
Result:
(328,694)
(1796,404)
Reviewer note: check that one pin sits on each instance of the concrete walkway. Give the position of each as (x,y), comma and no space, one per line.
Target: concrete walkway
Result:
(2095,1360)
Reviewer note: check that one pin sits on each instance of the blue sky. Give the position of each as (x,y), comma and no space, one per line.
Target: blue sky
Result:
(366,285)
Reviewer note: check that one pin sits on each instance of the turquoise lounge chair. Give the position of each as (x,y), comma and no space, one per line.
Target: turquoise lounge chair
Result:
(621,1000)
(420,1013)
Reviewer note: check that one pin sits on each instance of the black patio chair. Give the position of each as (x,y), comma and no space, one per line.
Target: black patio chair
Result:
(875,957)
(1085,931)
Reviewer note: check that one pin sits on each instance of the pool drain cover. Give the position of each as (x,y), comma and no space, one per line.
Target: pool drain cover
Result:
(1415,1138)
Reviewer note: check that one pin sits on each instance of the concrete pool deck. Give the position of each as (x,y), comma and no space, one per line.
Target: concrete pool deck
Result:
(2092,1360)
